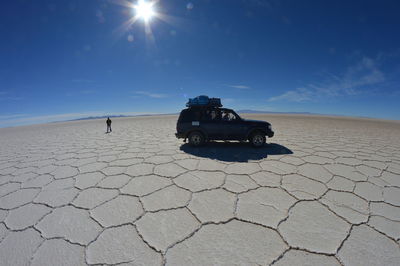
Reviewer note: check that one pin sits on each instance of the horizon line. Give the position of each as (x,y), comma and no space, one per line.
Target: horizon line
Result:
(138,114)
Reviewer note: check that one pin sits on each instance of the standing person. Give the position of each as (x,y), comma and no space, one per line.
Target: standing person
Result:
(108,122)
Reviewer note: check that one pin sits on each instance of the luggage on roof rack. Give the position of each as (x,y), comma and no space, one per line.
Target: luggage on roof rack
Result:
(205,101)
(215,102)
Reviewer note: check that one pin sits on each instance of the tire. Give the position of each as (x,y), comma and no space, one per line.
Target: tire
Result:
(196,139)
(258,139)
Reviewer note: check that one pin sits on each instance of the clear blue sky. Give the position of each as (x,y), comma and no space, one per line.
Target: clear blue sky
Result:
(64,59)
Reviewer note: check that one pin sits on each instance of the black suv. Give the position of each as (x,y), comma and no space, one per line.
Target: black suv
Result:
(200,124)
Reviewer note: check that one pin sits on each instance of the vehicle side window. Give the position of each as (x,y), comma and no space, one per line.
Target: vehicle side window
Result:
(212,115)
(209,115)
(216,115)
(206,116)
(228,116)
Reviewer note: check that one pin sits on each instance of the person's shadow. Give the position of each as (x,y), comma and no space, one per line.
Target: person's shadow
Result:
(235,151)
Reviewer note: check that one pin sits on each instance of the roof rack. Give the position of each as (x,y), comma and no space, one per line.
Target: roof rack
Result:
(204,101)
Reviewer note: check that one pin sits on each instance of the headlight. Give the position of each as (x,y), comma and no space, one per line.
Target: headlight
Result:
(269,127)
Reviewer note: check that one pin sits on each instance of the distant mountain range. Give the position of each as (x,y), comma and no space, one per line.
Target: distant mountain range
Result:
(115,116)
(97,117)
(243,111)
(247,111)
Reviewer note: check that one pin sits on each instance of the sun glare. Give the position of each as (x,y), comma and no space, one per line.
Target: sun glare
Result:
(144,10)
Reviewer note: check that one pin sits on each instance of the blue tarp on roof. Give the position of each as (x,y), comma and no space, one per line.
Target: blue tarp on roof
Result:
(204,100)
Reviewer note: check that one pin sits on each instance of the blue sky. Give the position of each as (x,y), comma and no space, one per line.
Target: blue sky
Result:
(65,59)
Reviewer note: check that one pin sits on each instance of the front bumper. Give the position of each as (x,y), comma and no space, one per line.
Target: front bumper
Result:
(270,133)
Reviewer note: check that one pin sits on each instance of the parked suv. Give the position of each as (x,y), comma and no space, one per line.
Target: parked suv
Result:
(203,123)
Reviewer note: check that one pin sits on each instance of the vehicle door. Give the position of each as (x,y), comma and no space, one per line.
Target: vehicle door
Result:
(234,129)
(210,124)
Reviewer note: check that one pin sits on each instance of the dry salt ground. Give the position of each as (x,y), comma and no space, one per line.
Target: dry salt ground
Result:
(324,191)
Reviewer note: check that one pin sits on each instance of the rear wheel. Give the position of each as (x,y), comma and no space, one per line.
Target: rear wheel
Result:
(257,139)
(196,139)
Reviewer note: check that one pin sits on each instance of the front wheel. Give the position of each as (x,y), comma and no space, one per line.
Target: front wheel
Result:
(196,139)
(257,139)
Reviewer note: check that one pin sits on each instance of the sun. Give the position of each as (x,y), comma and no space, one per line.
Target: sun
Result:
(144,10)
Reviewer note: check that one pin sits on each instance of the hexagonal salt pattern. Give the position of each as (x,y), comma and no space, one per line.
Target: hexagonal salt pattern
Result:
(17,248)
(247,244)
(366,246)
(165,228)
(70,223)
(299,257)
(326,191)
(121,244)
(313,227)
(267,206)
(121,210)
(59,251)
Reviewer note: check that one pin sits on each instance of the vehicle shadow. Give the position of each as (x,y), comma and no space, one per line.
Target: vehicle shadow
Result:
(235,151)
